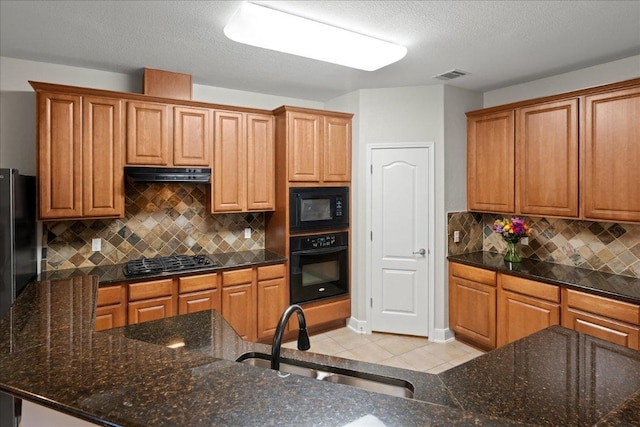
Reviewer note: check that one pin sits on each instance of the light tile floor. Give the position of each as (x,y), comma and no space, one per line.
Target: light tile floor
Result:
(400,351)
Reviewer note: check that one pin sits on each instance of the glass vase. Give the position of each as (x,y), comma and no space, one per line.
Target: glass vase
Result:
(513,252)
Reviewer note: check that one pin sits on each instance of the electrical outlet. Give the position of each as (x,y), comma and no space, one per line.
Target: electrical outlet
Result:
(456,236)
(96,245)
(247,233)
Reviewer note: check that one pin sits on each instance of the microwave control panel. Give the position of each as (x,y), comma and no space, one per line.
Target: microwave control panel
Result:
(338,206)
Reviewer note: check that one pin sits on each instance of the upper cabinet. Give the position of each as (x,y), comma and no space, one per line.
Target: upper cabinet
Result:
(568,156)
(611,172)
(490,162)
(244,162)
(80,143)
(160,134)
(318,147)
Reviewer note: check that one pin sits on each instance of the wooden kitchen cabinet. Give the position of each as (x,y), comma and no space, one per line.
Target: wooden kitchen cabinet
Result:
(151,300)
(80,143)
(318,147)
(604,318)
(239,302)
(111,307)
(547,159)
(611,146)
(244,164)
(491,162)
(148,133)
(198,293)
(525,306)
(273,298)
(192,136)
(472,304)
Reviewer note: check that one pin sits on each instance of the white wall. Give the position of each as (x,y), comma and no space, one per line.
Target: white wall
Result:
(610,72)
(18,101)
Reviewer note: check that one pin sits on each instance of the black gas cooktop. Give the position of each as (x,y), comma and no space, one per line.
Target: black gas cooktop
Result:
(142,266)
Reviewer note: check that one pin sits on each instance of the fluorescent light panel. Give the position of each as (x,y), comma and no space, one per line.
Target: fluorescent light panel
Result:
(270,29)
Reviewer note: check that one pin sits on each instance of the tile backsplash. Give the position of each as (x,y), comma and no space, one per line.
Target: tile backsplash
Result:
(160,220)
(601,246)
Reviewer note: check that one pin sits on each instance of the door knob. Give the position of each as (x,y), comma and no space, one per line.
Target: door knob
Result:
(420,252)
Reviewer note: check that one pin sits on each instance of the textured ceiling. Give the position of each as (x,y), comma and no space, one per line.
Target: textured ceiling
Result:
(500,43)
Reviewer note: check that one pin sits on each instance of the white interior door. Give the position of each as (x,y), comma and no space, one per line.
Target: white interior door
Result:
(400,227)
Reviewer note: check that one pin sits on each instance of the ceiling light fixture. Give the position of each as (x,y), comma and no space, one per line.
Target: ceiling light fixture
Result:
(270,29)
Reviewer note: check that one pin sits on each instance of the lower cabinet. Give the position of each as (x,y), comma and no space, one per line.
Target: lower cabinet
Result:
(239,302)
(198,293)
(491,310)
(604,318)
(151,300)
(111,307)
(472,304)
(524,307)
(273,298)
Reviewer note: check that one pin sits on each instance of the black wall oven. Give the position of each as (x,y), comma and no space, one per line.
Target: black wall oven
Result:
(319,267)
(318,208)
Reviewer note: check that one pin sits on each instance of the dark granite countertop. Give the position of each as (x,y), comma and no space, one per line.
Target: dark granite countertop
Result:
(111,274)
(49,354)
(609,285)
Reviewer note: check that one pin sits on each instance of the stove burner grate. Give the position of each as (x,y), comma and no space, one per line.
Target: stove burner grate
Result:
(166,264)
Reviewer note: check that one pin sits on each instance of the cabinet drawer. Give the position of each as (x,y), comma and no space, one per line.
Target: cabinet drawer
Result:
(271,272)
(473,273)
(607,307)
(530,288)
(197,283)
(153,289)
(111,295)
(237,277)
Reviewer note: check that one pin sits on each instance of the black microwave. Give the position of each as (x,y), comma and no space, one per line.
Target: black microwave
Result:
(318,208)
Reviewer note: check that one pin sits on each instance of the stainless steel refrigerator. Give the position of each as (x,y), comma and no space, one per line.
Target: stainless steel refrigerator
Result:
(18,258)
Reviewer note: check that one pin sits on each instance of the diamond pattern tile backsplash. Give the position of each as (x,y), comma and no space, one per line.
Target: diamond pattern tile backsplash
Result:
(160,220)
(602,246)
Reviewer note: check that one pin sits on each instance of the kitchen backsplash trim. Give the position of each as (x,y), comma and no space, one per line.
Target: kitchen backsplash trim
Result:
(160,220)
(600,246)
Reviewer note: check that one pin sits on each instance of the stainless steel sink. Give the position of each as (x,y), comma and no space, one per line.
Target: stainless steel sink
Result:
(366,381)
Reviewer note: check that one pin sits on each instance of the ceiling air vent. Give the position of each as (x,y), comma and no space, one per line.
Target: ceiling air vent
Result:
(452,74)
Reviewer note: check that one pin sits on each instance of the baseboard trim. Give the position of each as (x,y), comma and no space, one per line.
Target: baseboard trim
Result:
(359,326)
(442,335)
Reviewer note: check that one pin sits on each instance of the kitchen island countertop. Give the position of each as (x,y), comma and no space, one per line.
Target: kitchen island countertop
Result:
(49,354)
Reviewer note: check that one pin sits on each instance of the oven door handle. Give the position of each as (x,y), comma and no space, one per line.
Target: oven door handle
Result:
(320,251)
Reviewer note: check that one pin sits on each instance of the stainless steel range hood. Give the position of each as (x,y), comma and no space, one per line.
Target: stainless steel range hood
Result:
(156,174)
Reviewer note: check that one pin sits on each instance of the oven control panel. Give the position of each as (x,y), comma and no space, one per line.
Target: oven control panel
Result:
(301,243)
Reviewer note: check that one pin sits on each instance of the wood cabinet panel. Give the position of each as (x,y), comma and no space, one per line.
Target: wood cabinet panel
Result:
(110,295)
(197,283)
(323,312)
(611,155)
(148,133)
(531,288)
(59,156)
(473,273)
(260,162)
(547,159)
(151,289)
(229,184)
(618,310)
(192,136)
(272,301)
(490,162)
(150,309)
(271,272)
(239,309)
(102,164)
(237,277)
(304,146)
(520,315)
(110,316)
(602,327)
(336,163)
(199,301)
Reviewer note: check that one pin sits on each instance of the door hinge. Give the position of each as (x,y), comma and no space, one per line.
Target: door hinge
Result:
(371,302)
(371,236)
(372,169)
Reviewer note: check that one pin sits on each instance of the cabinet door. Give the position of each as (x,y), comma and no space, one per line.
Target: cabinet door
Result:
(520,315)
(110,316)
(547,159)
(490,162)
(198,301)
(336,150)
(472,311)
(304,143)
(150,309)
(239,309)
(59,156)
(601,327)
(260,163)
(148,132)
(272,299)
(102,164)
(229,162)
(192,136)
(611,156)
